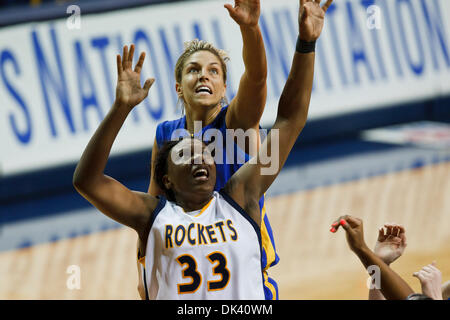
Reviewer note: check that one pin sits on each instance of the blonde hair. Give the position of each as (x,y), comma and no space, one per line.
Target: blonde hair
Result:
(191,47)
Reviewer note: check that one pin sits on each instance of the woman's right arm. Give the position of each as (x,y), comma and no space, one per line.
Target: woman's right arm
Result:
(127,207)
(253,179)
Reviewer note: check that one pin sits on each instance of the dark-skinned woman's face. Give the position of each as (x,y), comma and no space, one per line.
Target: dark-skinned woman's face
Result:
(191,169)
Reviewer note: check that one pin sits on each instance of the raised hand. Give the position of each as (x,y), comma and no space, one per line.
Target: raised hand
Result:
(390,244)
(244,12)
(430,278)
(393,287)
(354,231)
(129,92)
(311,19)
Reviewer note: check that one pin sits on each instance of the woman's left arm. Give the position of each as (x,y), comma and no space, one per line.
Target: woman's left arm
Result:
(247,107)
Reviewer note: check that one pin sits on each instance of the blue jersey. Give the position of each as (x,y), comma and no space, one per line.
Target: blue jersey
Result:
(232,161)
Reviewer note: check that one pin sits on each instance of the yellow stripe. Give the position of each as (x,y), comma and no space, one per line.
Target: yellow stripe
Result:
(266,243)
(204,208)
(269,285)
(141,260)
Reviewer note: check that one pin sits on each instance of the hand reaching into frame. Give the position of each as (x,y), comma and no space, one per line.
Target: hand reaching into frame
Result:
(129,92)
(311,19)
(245,12)
(430,278)
(393,287)
(354,232)
(390,243)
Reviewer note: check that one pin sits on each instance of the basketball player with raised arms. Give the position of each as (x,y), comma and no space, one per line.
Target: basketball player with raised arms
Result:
(200,243)
(201,77)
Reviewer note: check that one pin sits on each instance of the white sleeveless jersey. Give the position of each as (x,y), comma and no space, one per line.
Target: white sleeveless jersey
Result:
(214,253)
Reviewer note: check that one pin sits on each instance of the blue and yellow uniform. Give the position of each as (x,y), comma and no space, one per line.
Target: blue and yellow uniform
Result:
(224,171)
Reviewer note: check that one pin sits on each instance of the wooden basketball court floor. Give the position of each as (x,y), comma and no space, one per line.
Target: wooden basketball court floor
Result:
(315,264)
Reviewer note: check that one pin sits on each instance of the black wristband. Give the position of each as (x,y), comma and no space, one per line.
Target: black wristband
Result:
(305,46)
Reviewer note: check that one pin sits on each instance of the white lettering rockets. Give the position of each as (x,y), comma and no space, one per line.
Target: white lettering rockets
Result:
(212,253)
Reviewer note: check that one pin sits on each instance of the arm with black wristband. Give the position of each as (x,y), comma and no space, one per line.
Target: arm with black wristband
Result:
(299,84)
(303,46)
(311,21)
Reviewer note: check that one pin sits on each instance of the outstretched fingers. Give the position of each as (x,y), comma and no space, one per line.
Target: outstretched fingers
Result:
(140,63)
(130,57)
(229,7)
(148,84)
(232,9)
(124,57)
(119,65)
(126,61)
(327,5)
(127,57)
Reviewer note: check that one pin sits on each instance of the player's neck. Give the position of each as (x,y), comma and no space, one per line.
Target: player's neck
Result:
(206,117)
(190,204)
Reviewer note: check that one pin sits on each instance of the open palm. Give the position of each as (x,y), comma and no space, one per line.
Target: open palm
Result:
(244,12)
(390,244)
(129,92)
(312,17)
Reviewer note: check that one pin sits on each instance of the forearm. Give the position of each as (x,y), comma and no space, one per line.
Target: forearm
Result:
(95,156)
(247,107)
(296,95)
(254,54)
(291,118)
(375,294)
(393,287)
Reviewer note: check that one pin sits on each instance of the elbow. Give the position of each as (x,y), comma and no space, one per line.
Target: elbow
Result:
(80,182)
(292,118)
(77,182)
(258,79)
(302,121)
(85,180)
(261,76)
(289,124)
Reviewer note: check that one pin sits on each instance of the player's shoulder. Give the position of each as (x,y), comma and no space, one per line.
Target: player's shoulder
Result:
(170,125)
(165,129)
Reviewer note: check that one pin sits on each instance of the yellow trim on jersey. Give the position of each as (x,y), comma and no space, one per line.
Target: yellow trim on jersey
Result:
(269,285)
(266,243)
(141,260)
(204,208)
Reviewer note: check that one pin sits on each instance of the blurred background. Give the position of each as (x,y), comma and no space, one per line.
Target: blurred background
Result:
(376,145)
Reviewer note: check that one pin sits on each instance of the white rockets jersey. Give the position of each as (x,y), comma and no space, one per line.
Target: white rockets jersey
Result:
(213,253)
